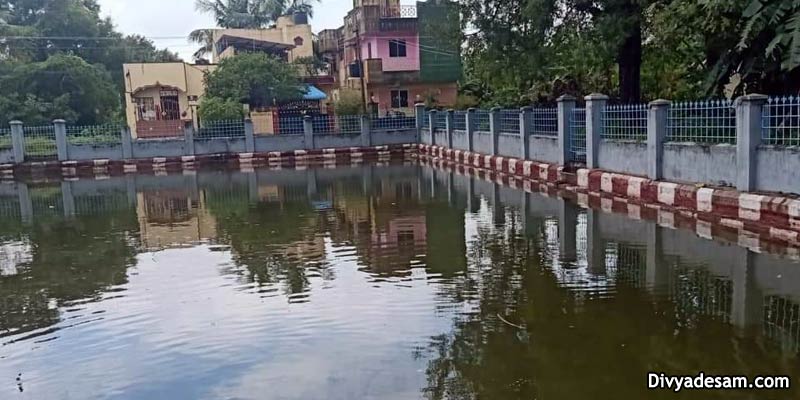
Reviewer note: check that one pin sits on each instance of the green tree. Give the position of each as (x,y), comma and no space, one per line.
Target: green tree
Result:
(63,86)
(217,109)
(256,79)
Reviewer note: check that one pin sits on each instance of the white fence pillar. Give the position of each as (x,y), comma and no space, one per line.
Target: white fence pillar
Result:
(366,131)
(449,121)
(566,104)
(308,132)
(657,120)
(525,119)
(470,122)
(595,107)
(749,110)
(494,129)
(432,115)
(60,130)
(127,142)
(249,136)
(188,138)
(18,141)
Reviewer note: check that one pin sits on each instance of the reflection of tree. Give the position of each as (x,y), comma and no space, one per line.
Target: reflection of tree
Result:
(275,241)
(574,343)
(70,260)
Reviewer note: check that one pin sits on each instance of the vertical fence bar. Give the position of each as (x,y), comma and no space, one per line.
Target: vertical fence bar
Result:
(525,119)
(432,125)
(249,136)
(566,104)
(188,138)
(495,127)
(366,131)
(60,129)
(308,131)
(450,127)
(18,141)
(657,120)
(127,142)
(595,107)
(470,128)
(749,111)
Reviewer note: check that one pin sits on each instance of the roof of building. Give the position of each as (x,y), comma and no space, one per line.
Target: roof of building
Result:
(255,44)
(313,93)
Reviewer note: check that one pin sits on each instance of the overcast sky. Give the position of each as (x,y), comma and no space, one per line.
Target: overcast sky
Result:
(168,22)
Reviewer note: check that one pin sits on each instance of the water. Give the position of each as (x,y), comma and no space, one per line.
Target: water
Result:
(372,282)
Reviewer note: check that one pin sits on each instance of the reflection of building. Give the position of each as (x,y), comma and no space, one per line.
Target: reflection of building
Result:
(173,217)
(402,53)
(160,96)
(12,256)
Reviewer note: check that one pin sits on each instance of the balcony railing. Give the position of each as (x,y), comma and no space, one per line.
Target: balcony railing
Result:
(399,12)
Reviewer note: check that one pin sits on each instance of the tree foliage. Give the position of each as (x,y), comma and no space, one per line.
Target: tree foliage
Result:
(63,58)
(523,51)
(256,79)
(217,109)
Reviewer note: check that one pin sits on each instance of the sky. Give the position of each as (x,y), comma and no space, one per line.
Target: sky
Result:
(168,22)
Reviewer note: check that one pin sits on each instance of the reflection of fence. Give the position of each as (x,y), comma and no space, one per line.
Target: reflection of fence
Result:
(695,292)
(631,265)
(782,322)
(781,121)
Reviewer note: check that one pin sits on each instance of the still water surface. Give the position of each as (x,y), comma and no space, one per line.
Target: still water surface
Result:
(395,282)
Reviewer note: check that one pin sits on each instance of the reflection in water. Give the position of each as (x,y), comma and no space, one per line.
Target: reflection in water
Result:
(368,282)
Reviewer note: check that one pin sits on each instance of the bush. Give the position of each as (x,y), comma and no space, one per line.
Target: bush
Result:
(350,102)
(217,109)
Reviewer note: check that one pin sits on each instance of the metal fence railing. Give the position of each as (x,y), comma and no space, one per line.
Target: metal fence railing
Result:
(394,123)
(426,121)
(94,134)
(482,123)
(543,121)
(5,138)
(460,121)
(577,134)
(221,129)
(40,141)
(290,125)
(509,121)
(332,124)
(781,121)
(440,123)
(625,122)
(712,121)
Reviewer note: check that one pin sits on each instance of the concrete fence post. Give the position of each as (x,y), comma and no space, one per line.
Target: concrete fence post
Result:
(419,115)
(249,136)
(525,119)
(657,120)
(595,107)
(60,129)
(749,110)
(127,142)
(471,116)
(494,128)
(450,127)
(432,115)
(566,104)
(18,141)
(366,131)
(308,131)
(188,138)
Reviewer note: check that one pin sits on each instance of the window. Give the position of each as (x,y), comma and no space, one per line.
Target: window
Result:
(397,48)
(298,41)
(145,108)
(399,98)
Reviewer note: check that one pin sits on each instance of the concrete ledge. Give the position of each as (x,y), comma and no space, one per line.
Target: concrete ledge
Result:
(770,218)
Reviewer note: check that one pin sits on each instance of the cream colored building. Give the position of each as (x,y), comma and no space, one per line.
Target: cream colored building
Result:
(161,97)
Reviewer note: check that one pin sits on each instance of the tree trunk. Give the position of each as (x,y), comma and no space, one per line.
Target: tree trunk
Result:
(629,60)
